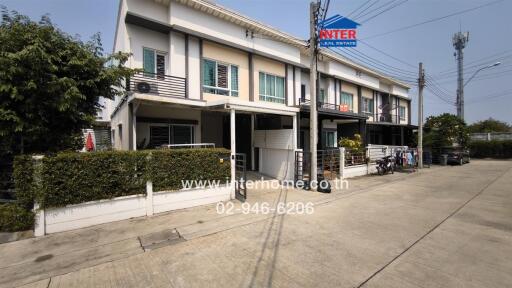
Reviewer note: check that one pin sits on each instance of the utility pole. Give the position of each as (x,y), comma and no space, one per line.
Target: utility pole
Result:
(421,84)
(459,42)
(313,115)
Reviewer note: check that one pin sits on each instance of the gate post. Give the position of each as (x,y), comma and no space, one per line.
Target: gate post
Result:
(342,162)
(233,151)
(149,198)
(40,217)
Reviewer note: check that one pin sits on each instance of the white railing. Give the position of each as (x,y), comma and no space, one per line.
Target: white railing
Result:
(194,145)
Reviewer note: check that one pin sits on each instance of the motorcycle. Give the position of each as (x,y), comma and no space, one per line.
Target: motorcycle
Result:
(386,165)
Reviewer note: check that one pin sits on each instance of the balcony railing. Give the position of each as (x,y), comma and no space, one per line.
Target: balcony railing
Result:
(337,107)
(388,118)
(157,84)
(330,106)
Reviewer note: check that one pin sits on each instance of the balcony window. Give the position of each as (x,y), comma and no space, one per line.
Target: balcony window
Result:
(220,78)
(367,105)
(322,98)
(347,100)
(271,88)
(401,112)
(153,63)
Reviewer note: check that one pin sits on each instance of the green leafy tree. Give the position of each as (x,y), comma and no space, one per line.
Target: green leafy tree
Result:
(354,144)
(50,83)
(445,130)
(489,125)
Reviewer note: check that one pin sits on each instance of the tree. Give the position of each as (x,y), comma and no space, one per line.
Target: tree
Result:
(445,130)
(489,125)
(50,84)
(355,144)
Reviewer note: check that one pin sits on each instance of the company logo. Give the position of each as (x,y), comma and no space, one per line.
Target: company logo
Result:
(338,31)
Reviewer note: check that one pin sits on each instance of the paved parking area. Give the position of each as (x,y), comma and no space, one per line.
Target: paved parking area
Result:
(443,227)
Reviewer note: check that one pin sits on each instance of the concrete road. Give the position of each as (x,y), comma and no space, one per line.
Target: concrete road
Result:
(443,227)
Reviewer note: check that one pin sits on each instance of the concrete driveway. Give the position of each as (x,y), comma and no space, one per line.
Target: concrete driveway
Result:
(442,227)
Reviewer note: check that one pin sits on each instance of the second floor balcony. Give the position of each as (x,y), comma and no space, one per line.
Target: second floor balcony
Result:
(157,84)
(388,118)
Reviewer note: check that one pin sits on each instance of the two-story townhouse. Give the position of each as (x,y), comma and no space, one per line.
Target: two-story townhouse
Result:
(211,75)
(353,99)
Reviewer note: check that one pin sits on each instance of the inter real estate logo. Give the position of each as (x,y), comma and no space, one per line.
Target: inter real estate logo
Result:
(338,31)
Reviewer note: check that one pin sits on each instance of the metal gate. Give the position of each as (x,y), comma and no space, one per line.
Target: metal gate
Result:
(240,177)
(328,164)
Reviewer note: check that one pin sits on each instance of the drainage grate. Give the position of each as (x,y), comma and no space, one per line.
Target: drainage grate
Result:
(160,239)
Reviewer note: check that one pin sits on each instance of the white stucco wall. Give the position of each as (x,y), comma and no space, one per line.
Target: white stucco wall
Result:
(194,68)
(350,74)
(150,9)
(197,22)
(141,37)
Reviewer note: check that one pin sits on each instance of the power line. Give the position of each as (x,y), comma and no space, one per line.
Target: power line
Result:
(326,8)
(472,68)
(360,12)
(438,96)
(439,92)
(480,60)
(385,10)
(449,79)
(392,57)
(354,11)
(492,96)
(380,63)
(434,19)
(375,9)
(378,67)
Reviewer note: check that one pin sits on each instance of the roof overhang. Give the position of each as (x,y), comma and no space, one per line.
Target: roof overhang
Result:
(242,20)
(142,21)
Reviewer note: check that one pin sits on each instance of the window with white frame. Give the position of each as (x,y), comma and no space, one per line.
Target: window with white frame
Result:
(220,78)
(367,105)
(271,88)
(401,112)
(153,63)
(163,134)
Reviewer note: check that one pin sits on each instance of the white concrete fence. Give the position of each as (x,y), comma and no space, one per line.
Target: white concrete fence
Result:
(491,136)
(53,220)
(373,153)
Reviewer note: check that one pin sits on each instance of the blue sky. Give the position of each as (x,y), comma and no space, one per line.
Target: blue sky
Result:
(488,95)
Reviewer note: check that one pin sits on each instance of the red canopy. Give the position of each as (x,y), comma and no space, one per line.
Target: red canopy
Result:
(89,145)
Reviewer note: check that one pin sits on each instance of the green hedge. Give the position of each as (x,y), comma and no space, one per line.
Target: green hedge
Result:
(72,178)
(491,149)
(23,172)
(169,167)
(15,218)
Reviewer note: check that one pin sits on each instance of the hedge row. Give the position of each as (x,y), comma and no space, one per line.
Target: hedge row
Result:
(491,149)
(23,171)
(15,218)
(72,178)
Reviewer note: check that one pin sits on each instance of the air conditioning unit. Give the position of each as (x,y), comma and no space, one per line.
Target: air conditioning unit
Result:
(143,87)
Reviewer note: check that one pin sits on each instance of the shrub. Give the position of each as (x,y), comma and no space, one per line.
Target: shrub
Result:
(23,171)
(168,168)
(73,178)
(15,218)
(355,144)
(491,149)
